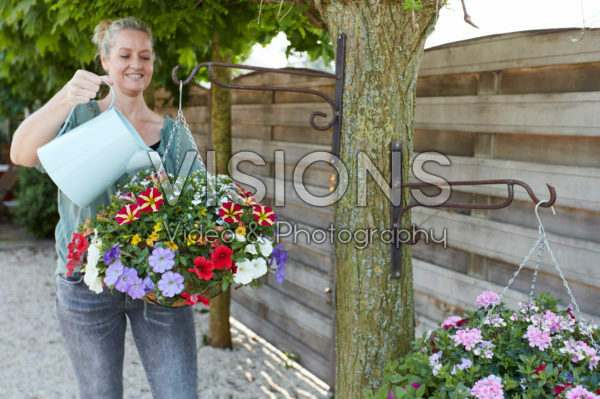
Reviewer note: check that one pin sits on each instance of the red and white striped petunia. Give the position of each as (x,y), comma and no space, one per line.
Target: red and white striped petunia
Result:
(128,197)
(247,197)
(150,200)
(263,215)
(230,212)
(128,214)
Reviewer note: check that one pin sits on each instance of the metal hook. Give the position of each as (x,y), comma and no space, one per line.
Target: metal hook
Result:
(537,215)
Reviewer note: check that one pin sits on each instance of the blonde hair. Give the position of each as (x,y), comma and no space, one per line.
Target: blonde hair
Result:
(106,31)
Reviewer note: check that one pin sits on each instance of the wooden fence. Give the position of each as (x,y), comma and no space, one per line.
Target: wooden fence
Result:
(524,106)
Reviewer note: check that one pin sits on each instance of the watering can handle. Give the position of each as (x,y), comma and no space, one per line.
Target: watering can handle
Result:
(112,103)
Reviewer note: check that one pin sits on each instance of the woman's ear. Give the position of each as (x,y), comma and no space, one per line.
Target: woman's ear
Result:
(103,61)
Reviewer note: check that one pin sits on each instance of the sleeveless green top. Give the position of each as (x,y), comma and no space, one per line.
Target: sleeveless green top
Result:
(72,216)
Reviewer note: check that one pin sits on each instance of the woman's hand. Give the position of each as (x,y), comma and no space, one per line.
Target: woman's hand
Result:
(83,87)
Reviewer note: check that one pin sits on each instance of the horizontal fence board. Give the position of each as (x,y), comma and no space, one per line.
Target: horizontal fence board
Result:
(310,359)
(312,328)
(293,152)
(551,79)
(310,284)
(297,114)
(302,134)
(514,50)
(322,261)
(557,150)
(251,131)
(548,114)
(509,243)
(577,187)
(461,291)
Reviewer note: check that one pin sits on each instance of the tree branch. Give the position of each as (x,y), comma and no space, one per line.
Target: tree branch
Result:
(196,5)
(467,16)
(317,23)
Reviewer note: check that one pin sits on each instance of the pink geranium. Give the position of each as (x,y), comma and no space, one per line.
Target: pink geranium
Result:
(488,388)
(487,298)
(538,338)
(469,338)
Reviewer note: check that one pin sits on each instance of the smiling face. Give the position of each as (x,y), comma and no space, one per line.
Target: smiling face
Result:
(129,62)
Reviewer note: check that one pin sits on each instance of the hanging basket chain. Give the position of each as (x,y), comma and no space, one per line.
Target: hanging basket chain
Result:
(583,321)
(180,119)
(538,261)
(511,280)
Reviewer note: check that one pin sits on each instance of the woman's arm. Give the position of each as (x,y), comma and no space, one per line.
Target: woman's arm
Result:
(41,126)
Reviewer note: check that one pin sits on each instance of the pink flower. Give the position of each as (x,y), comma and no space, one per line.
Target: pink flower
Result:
(487,298)
(469,338)
(580,350)
(580,392)
(538,338)
(451,322)
(488,388)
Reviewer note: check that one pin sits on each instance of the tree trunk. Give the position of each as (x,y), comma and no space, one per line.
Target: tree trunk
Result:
(220,116)
(374,314)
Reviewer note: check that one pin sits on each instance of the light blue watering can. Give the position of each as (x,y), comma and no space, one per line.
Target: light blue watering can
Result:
(85,161)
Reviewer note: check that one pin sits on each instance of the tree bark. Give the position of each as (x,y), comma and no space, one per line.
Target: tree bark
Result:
(374,313)
(220,115)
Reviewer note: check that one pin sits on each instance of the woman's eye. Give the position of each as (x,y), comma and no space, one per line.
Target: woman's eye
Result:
(146,58)
(124,56)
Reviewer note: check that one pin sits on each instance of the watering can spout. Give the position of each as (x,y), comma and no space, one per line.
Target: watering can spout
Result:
(139,159)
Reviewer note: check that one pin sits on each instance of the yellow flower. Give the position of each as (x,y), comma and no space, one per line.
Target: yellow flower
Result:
(151,238)
(241,231)
(172,245)
(158,227)
(191,239)
(136,238)
(203,212)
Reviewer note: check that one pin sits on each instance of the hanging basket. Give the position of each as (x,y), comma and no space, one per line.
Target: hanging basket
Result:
(180,302)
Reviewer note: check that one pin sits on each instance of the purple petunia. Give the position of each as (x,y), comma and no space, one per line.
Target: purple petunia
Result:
(161,260)
(171,284)
(280,256)
(137,288)
(148,284)
(113,272)
(126,280)
(111,254)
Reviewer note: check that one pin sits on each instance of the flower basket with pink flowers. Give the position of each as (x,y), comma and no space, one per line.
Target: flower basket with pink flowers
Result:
(180,244)
(538,350)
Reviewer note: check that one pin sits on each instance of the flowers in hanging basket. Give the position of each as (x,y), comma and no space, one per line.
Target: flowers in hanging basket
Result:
(537,351)
(179,253)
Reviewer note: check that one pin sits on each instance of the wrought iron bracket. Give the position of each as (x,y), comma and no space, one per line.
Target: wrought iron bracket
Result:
(413,235)
(335,103)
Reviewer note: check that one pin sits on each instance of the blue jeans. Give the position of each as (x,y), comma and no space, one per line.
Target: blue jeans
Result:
(93,329)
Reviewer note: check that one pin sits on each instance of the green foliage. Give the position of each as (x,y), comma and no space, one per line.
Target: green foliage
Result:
(410,5)
(431,370)
(43,42)
(37,208)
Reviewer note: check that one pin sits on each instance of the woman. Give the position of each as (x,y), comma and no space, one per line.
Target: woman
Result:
(93,325)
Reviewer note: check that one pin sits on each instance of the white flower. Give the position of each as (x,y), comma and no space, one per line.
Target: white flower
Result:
(248,270)
(265,245)
(245,272)
(196,201)
(260,267)
(251,249)
(240,237)
(91,272)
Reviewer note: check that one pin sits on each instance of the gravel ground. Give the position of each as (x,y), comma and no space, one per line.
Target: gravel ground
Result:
(34,363)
